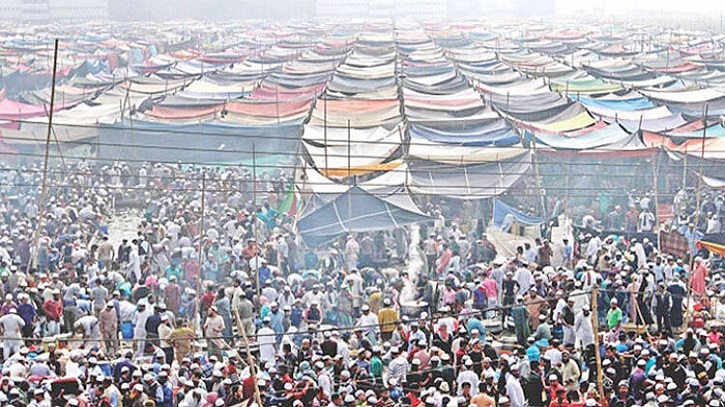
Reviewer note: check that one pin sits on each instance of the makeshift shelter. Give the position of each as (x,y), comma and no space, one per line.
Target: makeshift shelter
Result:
(357,210)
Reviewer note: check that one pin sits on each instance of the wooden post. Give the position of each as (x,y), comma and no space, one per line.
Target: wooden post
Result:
(597,353)
(655,171)
(250,362)
(276,97)
(349,174)
(254,218)
(44,185)
(324,133)
(697,211)
(199,279)
(565,209)
(537,178)
(684,172)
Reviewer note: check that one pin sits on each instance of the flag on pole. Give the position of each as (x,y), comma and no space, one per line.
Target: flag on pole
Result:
(289,205)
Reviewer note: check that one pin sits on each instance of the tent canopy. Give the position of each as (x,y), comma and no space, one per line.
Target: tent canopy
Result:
(357,210)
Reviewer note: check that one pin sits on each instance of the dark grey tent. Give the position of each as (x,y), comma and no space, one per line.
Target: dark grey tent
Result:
(358,210)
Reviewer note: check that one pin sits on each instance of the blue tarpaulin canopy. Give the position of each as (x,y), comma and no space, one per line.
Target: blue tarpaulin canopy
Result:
(501,210)
(355,211)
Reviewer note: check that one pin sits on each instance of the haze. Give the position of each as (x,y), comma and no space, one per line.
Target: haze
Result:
(161,10)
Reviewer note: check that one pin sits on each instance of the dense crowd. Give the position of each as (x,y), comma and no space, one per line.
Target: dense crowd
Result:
(226,306)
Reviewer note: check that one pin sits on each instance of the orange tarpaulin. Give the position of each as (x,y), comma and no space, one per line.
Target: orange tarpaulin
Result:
(713,248)
(271,108)
(360,170)
(714,147)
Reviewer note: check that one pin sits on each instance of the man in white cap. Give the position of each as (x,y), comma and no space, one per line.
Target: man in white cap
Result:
(53,309)
(583,330)
(108,321)
(266,337)
(399,366)
(139,326)
(352,252)
(369,323)
(136,396)
(467,375)
(165,330)
(514,391)
(614,315)
(213,331)
(12,325)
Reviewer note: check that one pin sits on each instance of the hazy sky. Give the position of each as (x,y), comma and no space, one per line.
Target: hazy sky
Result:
(656,5)
(238,9)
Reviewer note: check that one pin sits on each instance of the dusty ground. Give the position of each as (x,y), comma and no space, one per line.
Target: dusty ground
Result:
(123,224)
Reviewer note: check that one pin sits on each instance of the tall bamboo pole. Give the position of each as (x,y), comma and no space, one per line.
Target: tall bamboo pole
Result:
(349,173)
(199,278)
(597,352)
(44,185)
(254,219)
(250,361)
(697,211)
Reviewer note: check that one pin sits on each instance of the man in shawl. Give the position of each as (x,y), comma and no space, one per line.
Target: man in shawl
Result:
(678,291)
(521,320)
(699,274)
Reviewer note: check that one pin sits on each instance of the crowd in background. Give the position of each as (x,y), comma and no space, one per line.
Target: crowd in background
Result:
(164,316)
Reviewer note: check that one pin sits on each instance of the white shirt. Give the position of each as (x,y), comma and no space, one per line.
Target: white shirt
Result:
(139,323)
(554,355)
(525,279)
(267,342)
(470,377)
(514,391)
(12,324)
(369,322)
(583,330)
(713,226)
(325,382)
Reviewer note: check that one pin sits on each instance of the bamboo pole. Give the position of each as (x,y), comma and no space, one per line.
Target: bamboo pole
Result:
(349,174)
(199,278)
(697,212)
(324,133)
(597,352)
(639,313)
(537,177)
(44,185)
(254,218)
(655,171)
(250,362)
(276,97)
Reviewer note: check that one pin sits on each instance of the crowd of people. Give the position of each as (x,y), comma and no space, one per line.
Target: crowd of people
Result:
(218,303)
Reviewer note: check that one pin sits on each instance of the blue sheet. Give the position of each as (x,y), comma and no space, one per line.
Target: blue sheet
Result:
(501,210)
(622,105)
(493,134)
(717,130)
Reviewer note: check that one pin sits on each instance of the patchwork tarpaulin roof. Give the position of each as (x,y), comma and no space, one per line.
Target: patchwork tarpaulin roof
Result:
(586,85)
(709,148)
(336,158)
(462,155)
(495,132)
(467,182)
(572,118)
(358,210)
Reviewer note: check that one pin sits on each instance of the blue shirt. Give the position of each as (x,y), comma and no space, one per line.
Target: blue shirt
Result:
(27,312)
(533,353)
(277,322)
(474,323)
